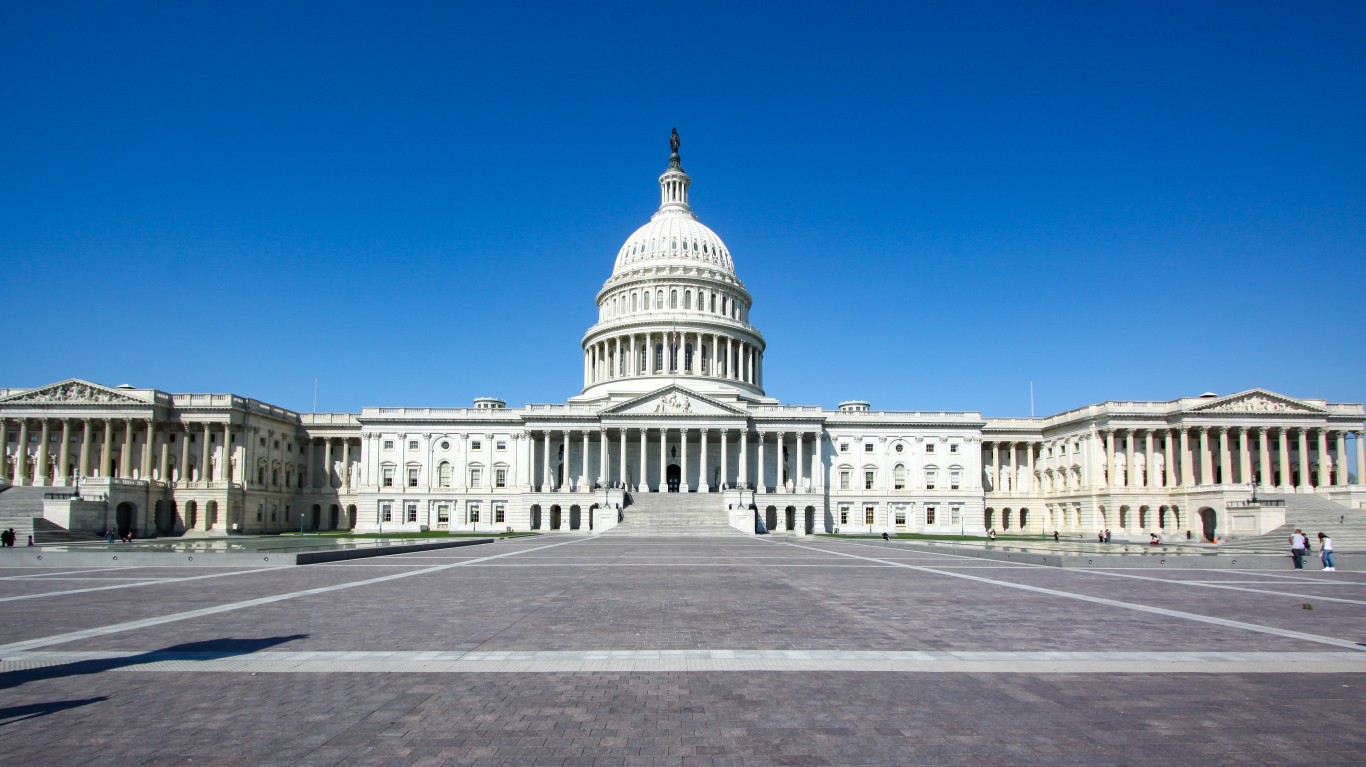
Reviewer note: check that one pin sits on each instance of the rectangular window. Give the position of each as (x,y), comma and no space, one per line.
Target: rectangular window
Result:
(931,478)
(955,479)
(869,513)
(867,447)
(953,448)
(412,477)
(388,444)
(500,445)
(868,478)
(929,447)
(845,480)
(412,512)
(844,514)
(476,444)
(901,518)
(929,515)
(443,514)
(474,512)
(388,476)
(844,447)
(412,444)
(476,476)
(955,514)
(500,512)
(500,477)
(386,512)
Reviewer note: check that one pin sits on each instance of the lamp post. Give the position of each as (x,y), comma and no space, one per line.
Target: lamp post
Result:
(301,520)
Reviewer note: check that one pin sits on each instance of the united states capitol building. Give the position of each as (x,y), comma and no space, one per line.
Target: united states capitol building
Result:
(672,432)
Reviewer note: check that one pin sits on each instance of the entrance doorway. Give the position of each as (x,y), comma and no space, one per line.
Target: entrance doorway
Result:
(317,519)
(672,477)
(165,517)
(1208,522)
(791,519)
(125,516)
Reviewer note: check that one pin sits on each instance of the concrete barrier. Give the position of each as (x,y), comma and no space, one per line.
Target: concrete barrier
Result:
(39,556)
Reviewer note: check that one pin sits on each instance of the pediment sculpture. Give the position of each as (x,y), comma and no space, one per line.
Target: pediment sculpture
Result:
(674,402)
(73,392)
(1257,403)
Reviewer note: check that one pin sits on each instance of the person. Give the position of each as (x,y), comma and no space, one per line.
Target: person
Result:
(7,538)
(1154,539)
(30,540)
(1326,552)
(991,534)
(885,538)
(1297,544)
(1188,535)
(1100,536)
(1107,535)
(109,535)
(1055,536)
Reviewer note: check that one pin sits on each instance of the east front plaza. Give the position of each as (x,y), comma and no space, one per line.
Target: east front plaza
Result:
(576,650)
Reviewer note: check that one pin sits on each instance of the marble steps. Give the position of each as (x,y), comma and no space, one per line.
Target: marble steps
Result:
(1312,514)
(675,515)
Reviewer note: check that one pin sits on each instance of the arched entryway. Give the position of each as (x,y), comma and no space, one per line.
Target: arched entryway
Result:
(165,517)
(191,514)
(317,514)
(673,477)
(1209,522)
(989,518)
(210,515)
(575,517)
(125,517)
(535,516)
(771,518)
(790,522)
(1024,519)
(810,520)
(334,512)
(555,514)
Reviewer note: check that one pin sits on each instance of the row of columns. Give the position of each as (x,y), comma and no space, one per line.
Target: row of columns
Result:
(727,358)
(741,479)
(129,462)
(318,452)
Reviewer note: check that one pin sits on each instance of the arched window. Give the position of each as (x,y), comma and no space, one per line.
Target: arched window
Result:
(687,357)
(673,299)
(704,359)
(644,361)
(647,302)
(687,300)
(633,302)
(899,477)
(659,299)
(713,303)
(443,474)
(659,356)
(724,301)
(614,307)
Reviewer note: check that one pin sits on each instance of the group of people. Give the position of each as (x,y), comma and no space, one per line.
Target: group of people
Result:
(1300,546)
(8,537)
(1104,535)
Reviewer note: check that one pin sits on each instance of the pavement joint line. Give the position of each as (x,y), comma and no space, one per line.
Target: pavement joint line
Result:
(1225,622)
(64,572)
(1214,585)
(701,660)
(231,606)
(21,597)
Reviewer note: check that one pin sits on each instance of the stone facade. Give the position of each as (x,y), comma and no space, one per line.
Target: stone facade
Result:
(672,401)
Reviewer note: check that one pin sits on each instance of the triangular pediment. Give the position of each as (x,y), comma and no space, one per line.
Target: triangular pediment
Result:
(673,400)
(72,391)
(1257,401)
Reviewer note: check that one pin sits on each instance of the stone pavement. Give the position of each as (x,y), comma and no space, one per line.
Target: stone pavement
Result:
(602,651)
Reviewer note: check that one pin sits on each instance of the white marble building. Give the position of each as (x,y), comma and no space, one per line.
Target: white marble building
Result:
(672,402)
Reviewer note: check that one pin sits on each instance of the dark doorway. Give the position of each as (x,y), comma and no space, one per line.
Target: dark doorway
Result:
(165,517)
(673,477)
(335,513)
(1209,522)
(554,517)
(771,518)
(791,519)
(317,517)
(125,516)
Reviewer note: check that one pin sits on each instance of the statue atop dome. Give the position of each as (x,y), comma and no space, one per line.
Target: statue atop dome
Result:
(674,142)
(674,160)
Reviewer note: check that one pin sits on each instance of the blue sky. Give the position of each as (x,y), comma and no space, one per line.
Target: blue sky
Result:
(932,204)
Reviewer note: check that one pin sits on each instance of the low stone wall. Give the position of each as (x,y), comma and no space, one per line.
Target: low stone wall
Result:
(1155,560)
(132,556)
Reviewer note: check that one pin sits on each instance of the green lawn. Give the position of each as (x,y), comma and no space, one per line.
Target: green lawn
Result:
(427,534)
(927,537)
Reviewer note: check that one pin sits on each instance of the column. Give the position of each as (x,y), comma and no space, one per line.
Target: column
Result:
(1323,457)
(562,473)
(126,453)
(1361,458)
(204,455)
(702,484)
(730,368)
(643,479)
(1244,458)
(1028,484)
(1010,468)
(545,469)
(1283,442)
(744,455)
(40,476)
(622,470)
(1187,463)
(21,456)
(64,453)
(819,469)
(185,455)
(1206,458)
(763,473)
(725,459)
(1305,479)
(995,466)
(164,461)
(1263,456)
(1110,457)
(603,466)
(4,447)
(1169,454)
(1148,467)
(1129,467)
(683,486)
(345,479)
(663,459)
(714,365)
(1225,458)
(147,450)
(778,463)
(83,469)
(1341,463)
(801,475)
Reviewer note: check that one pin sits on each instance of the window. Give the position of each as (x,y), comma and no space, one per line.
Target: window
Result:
(412,476)
(500,445)
(867,447)
(476,445)
(412,444)
(931,477)
(443,474)
(869,477)
(953,447)
(844,479)
(388,444)
(955,478)
(844,514)
(899,477)
(412,512)
(500,512)
(474,512)
(844,447)
(929,447)
(445,445)
(929,515)
(386,512)
(955,514)
(900,447)
(900,517)
(388,476)
(500,477)
(476,476)
(443,514)
(869,512)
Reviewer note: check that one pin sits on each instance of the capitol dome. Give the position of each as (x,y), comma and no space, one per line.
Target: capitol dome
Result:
(673,307)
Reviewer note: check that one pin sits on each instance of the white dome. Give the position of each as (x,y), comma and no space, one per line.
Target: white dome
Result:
(674,238)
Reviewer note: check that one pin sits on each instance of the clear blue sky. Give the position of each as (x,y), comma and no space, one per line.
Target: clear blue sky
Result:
(932,204)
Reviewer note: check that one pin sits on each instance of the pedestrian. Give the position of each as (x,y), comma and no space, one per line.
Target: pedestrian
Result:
(991,534)
(1326,549)
(30,540)
(885,538)
(1100,536)
(1055,536)
(7,538)
(1107,535)
(1298,542)
(109,535)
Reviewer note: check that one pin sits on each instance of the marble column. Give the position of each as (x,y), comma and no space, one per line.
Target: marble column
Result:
(603,467)
(1206,460)
(1323,457)
(1283,442)
(40,475)
(149,427)
(1169,456)
(83,462)
(683,486)
(725,459)
(1112,468)
(345,479)
(996,466)
(4,448)
(164,460)
(547,480)
(1306,479)
(1148,468)
(1361,458)
(1225,458)
(1130,469)
(643,480)
(126,452)
(562,476)
(763,472)
(205,453)
(583,468)
(780,462)
(1028,484)
(819,468)
(744,455)
(21,456)
(1244,458)
(799,483)
(1187,462)
(1010,468)
(1341,459)
(702,484)
(184,467)
(64,454)
(663,459)
(622,478)
(1263,456)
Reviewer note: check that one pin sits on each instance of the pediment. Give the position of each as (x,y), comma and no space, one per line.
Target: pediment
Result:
(1258,401)
(72,392)
(673,401)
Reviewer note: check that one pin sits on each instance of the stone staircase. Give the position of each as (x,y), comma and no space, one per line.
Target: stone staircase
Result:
(1312,514)
(675,515)
(22,509)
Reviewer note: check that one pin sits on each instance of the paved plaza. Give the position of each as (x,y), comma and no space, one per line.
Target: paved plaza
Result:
(726,651)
